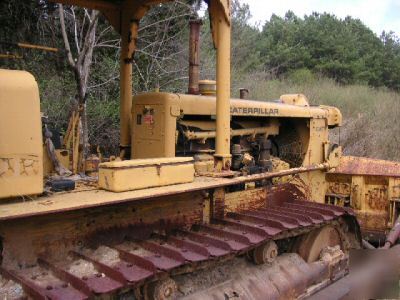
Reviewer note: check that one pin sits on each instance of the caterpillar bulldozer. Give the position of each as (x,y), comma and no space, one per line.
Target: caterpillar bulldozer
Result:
(211,197)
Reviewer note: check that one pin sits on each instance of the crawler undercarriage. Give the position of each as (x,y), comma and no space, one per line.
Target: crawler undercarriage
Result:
(167,246)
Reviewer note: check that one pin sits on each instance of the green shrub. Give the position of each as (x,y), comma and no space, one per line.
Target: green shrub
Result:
(301,76)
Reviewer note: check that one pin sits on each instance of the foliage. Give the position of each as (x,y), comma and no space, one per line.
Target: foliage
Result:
(345,50)
(301,76)
(330,60)
(161,59)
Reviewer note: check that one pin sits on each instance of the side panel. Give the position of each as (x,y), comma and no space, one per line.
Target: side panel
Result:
(154,127)
(375,200)
(54,235)
(315,181)
(149,131)
(21,152)
(370,199)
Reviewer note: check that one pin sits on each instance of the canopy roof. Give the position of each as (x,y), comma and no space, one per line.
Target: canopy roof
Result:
(113,9)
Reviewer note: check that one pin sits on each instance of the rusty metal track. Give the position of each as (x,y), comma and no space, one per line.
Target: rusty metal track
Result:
(113,269)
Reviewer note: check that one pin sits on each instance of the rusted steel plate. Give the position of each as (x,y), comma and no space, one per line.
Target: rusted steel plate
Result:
(317,213)
(336,210)
(104,269)
(60,290)
(129,271)
(256,220)
(194,252)
(282,213)
(314,217)
(254,232)
(235,240)
(89,275)
(225,233)
(65,292)
(137,268)
(325,213)
(161,258)
(253,220)
(300,217)
(184,252)
(216,247)
(29,287)
(352,165)
(101,285)
(74,281)
(164,251)
(132,273)
(285,221)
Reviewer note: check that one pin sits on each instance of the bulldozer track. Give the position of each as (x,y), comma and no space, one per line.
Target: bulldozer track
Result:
(114,269)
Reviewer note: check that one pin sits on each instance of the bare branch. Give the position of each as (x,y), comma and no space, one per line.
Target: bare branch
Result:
(139,71)
(89,37)
(78,49)
(83,25)
(87,14)
(173,80)
(100,35)
(163,20)
(103,83)
(110,44)
(65,37)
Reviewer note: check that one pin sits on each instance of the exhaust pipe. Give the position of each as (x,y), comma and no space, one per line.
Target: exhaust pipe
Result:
(194,56)
(244,93)
(393,235)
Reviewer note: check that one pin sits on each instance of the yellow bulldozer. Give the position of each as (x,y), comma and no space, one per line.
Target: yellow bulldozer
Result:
(211,198)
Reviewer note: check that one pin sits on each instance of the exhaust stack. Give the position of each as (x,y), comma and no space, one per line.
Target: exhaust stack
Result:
(244,93)
(194,56)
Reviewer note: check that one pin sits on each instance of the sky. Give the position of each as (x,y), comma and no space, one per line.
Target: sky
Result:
(378,15)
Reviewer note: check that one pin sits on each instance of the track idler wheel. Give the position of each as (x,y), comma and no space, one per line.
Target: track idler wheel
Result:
(265,253)
(162,290)
(310,245)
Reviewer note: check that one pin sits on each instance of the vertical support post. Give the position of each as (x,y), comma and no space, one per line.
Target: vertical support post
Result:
(223,37)
(129,31)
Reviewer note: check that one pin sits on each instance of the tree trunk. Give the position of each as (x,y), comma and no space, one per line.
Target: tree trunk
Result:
(81,68)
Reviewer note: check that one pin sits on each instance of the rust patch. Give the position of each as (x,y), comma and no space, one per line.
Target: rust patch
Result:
(218,203)
(55,235)
(375,221)
(284,192)
(377,198)
(353,165)
(245,200)
(19,166)
(338,184)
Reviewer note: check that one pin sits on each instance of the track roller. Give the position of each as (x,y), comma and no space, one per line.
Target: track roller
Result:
(310,245)
(162,290)
(265,253)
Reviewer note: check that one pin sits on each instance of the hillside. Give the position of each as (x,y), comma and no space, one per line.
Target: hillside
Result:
(371,124)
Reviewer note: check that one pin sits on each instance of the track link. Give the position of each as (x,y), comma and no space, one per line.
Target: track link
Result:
(115,269)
